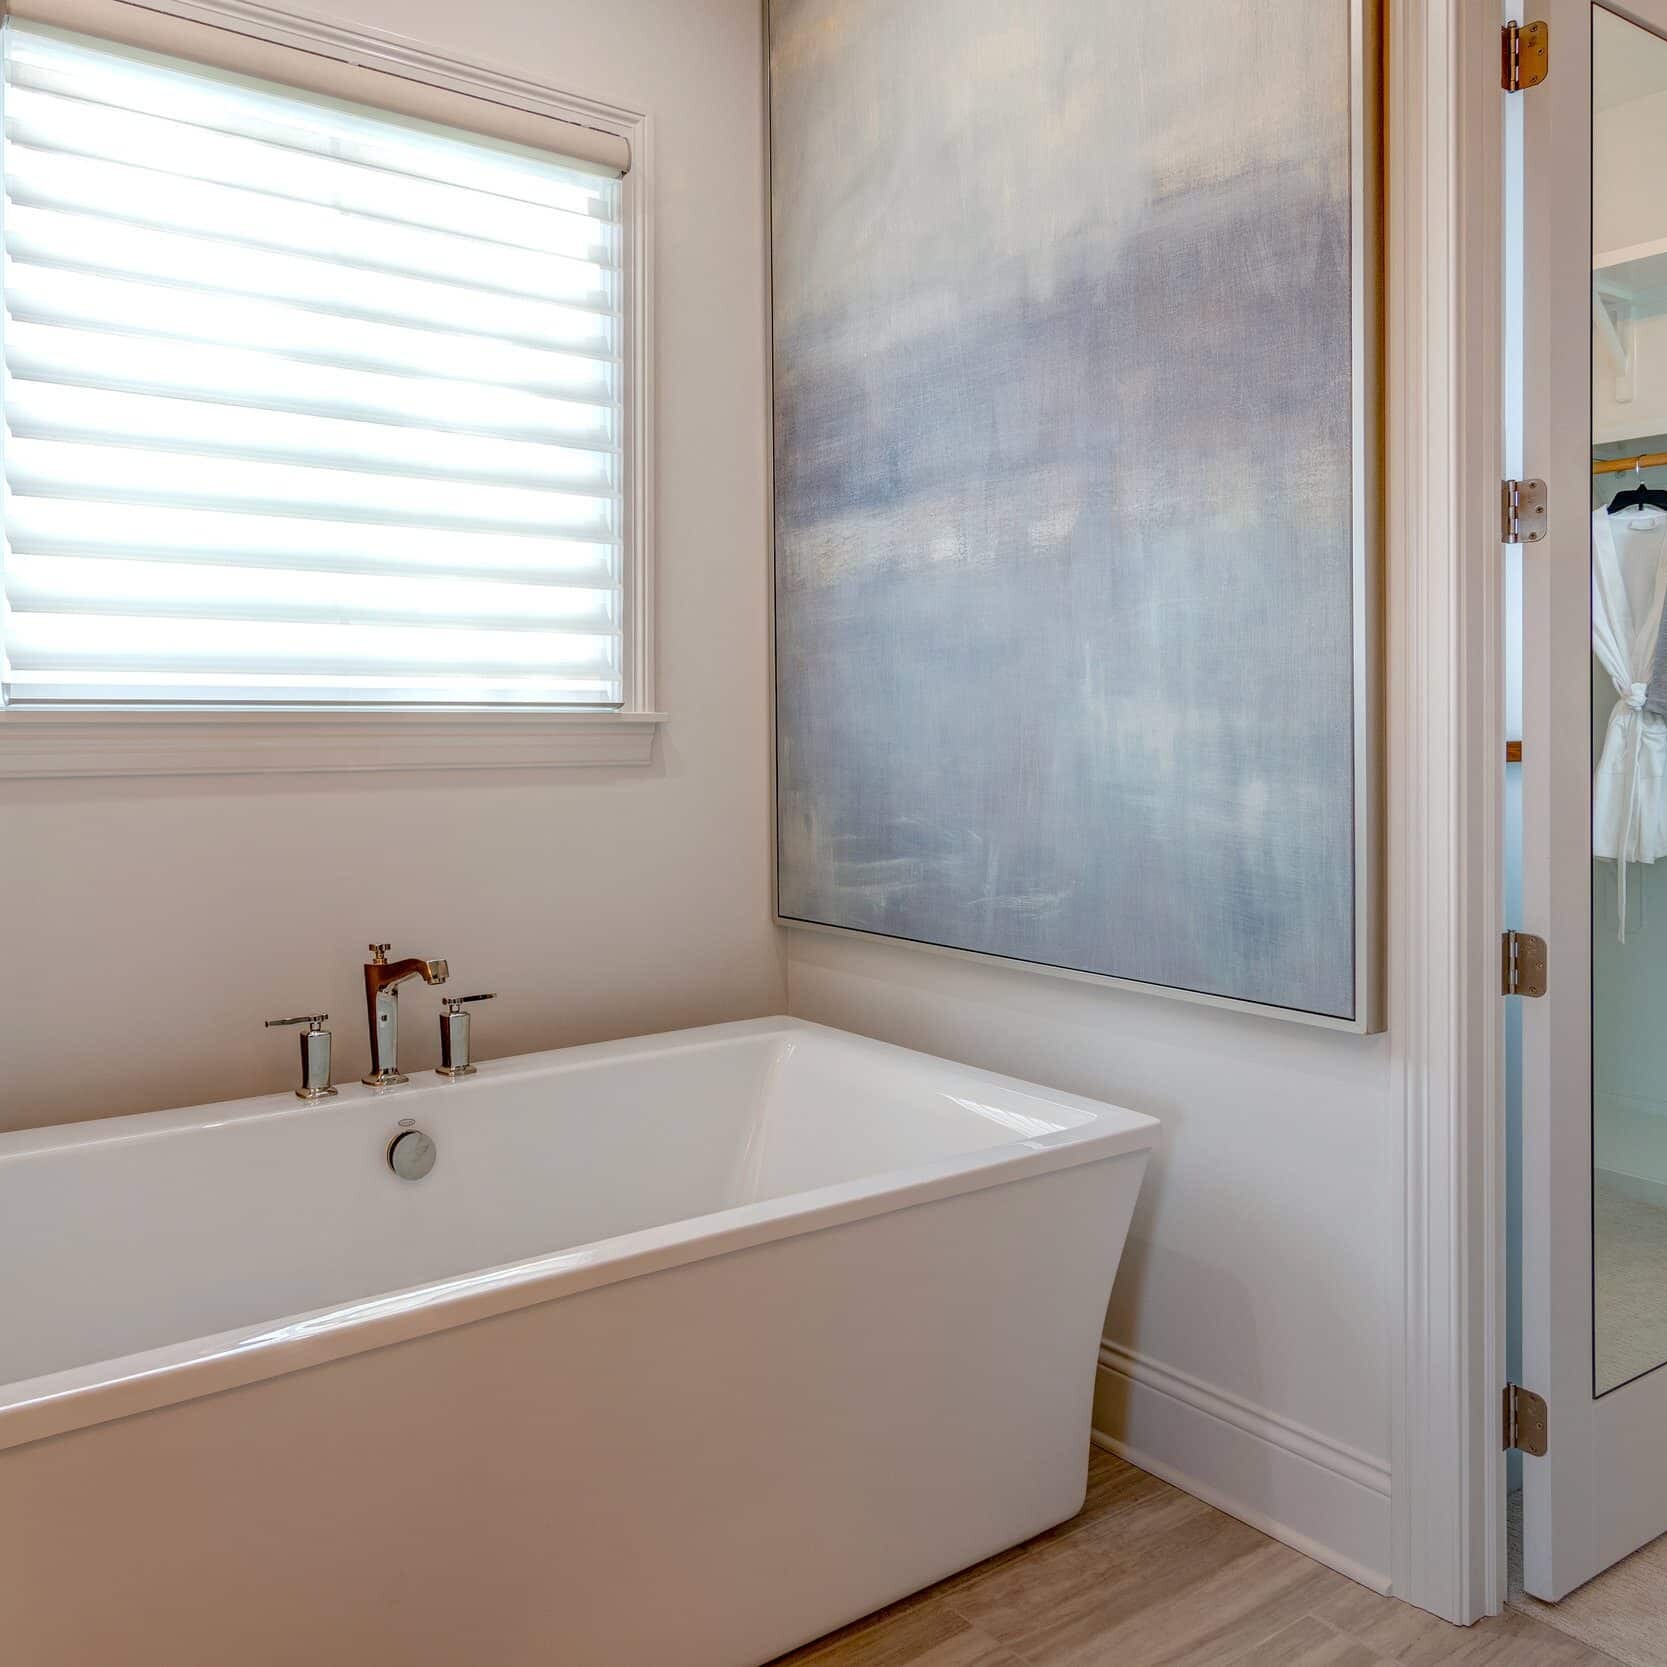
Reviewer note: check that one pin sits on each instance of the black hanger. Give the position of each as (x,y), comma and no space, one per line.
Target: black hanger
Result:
(1638,497)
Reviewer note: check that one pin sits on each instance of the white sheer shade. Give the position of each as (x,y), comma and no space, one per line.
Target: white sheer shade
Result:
(306,402)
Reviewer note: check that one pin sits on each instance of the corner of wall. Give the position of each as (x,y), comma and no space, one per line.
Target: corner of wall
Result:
(1247,1359)
(1322,1498)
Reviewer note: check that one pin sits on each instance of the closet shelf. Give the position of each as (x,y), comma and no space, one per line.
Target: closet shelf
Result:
(1633,272)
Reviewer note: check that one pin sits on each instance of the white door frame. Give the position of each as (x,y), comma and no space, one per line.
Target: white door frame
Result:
(1444,357)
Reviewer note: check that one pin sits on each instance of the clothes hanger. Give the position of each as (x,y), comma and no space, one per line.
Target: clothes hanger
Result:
(1638,497)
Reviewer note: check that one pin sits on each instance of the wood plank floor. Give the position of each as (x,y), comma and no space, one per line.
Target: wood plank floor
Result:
(1147,1576)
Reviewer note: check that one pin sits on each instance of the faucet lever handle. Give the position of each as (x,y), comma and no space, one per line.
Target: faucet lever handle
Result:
(455,1060)
(315,1055)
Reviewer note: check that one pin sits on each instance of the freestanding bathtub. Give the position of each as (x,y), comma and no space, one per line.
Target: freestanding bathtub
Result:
(688,1349)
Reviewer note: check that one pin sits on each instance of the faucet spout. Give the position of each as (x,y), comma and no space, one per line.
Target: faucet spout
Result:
(391,973)
(382,981)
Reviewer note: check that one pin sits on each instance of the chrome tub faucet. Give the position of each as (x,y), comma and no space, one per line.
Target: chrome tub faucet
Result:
(382,981)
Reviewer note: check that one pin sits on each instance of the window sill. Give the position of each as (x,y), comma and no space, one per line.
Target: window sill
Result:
(57,742)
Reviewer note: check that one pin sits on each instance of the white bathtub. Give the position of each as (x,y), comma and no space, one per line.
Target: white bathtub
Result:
(690,1348)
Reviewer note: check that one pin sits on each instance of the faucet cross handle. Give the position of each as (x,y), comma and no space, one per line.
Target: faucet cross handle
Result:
(379,953)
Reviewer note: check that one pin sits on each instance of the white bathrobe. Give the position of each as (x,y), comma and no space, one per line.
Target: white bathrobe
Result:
(1629,793)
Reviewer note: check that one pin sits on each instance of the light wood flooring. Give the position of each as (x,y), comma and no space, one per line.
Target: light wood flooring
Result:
(1623,1611)
(1147,1575)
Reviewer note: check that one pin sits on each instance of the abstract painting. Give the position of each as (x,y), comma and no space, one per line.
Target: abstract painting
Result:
(1069,575)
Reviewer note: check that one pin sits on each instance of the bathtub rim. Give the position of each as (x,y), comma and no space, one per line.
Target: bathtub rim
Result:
(57,1403)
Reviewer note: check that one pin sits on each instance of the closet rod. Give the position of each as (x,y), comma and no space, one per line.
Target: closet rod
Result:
(1621,465)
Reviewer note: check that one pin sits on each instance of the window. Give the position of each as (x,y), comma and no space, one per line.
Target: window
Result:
(307,402)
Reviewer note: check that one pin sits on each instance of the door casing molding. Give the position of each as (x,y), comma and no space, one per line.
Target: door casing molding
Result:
(1444,156)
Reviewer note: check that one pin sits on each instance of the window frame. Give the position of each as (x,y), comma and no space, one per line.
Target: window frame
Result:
(114,740)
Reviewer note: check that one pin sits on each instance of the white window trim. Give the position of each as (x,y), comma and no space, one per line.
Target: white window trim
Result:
(115,741)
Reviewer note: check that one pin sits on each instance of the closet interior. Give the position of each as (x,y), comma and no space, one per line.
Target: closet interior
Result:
(1629,719)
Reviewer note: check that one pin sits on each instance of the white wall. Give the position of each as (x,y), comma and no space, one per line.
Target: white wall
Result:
(1628,138)
(1248,1349)
(1629,211)
(149,927)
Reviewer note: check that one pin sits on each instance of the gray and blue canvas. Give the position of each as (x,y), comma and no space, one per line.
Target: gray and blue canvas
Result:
(1064,566)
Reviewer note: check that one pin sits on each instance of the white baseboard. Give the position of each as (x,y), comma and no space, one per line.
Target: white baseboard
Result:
(1324,1499)
(1637,1187)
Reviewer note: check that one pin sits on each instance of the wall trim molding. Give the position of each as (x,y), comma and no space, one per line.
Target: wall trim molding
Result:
(35,742)
(397,54)
(1445,199)
(1322,1497)
(1641,1188)
(1348,1462)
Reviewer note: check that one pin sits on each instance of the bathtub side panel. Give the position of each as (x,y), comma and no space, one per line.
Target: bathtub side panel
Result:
(704,1466)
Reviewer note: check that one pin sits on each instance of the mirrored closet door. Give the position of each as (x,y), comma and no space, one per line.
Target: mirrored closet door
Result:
(1594,791)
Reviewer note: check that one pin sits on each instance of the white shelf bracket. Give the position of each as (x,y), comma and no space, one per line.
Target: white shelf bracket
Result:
(1617,331)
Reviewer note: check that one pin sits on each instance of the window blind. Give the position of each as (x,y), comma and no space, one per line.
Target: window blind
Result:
(305,402)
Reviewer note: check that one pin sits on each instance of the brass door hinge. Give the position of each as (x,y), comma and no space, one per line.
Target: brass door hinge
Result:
(1524,55)
(1525,1421)
(1522,510)
(1523,964)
